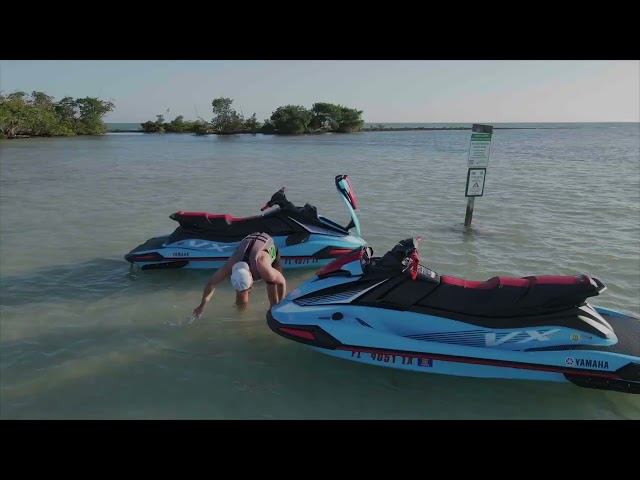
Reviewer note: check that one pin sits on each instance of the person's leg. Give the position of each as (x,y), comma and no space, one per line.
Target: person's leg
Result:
(272,293)
(277,264)
(272,276)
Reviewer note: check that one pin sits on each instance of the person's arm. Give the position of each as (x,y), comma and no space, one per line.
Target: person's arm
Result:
(221,274)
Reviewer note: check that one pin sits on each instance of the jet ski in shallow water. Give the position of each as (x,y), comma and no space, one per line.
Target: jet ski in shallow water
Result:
(394,312)
(205,240)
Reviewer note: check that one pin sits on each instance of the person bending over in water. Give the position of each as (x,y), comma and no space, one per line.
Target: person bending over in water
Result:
(256,258)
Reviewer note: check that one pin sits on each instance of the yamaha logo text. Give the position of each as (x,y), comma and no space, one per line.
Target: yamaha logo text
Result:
(587,363)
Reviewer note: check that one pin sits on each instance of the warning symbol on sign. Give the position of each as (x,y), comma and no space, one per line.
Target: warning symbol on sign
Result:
(475,182)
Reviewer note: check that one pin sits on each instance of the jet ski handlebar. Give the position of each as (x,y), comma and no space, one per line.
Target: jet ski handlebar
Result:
(412,257)
(278,198)
(404,255)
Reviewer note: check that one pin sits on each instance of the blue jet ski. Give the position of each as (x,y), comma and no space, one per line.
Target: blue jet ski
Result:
(205,240)
(394,312)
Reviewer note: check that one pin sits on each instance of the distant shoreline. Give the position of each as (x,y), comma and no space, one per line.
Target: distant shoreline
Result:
(362,130)
(366,129)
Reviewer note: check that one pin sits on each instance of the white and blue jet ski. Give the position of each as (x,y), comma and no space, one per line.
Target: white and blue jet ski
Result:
(206,240)
(391,311)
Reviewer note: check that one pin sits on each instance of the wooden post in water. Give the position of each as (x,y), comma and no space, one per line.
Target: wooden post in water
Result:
(477,163)
(469,214)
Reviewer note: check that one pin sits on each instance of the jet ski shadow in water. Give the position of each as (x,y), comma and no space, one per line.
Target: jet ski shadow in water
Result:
(304,238)
(394,312)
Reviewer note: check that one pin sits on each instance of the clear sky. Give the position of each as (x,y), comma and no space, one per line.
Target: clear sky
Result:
(387,91)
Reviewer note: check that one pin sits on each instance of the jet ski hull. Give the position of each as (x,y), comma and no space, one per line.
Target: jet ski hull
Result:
(354,337)
(157,253)
(391,311)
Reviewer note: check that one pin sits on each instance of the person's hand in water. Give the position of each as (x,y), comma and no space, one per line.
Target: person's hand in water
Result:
(197,313)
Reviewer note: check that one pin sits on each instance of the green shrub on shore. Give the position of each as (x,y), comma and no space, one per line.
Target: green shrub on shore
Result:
(40,115)
(288,119)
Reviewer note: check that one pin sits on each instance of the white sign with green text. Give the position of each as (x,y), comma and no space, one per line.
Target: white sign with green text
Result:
(479,150)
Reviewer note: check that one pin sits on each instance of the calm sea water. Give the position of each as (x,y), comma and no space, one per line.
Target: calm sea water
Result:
(83,336)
